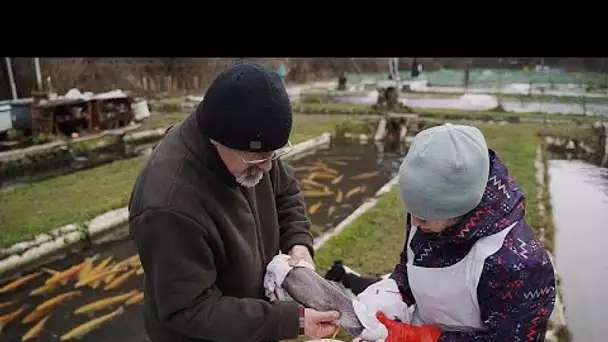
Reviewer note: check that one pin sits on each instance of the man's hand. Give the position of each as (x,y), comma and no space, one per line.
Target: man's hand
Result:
(299,252)
(320,324)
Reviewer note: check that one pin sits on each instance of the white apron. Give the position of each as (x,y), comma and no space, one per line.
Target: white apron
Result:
(447,296)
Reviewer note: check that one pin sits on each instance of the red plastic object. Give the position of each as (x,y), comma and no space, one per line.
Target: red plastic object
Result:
(403,332)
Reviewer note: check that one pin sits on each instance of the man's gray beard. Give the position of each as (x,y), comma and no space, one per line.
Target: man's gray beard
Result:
(250,177)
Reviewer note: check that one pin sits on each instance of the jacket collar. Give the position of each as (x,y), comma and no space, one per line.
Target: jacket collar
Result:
(200,146)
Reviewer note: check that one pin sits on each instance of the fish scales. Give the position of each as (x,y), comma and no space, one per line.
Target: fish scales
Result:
(308,288)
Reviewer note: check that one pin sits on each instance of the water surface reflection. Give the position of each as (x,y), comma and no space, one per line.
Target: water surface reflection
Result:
(579,196)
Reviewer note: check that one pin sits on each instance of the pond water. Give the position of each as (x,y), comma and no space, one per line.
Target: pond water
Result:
(579,197)
(368,166)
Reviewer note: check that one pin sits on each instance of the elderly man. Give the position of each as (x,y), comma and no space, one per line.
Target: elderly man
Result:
(212,207)
(471,265)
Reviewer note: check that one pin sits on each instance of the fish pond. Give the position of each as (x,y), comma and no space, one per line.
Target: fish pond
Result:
(579,197)
(96,293)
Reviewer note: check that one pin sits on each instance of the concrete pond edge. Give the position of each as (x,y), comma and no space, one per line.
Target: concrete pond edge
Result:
(73,237)
(558,328)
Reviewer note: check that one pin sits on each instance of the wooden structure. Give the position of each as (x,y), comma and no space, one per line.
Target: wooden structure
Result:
(80,116)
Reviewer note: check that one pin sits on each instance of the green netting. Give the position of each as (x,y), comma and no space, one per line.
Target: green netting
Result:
(489,77)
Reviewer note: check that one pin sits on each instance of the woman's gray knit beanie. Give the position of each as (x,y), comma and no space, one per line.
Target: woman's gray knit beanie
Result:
(445,172)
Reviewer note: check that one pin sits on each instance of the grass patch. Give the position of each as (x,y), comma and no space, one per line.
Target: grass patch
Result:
(40,207)
(309,126)
(333,108)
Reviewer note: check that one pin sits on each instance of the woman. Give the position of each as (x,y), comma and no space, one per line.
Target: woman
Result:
(471,264)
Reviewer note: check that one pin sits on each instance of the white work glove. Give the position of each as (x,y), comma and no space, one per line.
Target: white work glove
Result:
(383,296)
(276,271)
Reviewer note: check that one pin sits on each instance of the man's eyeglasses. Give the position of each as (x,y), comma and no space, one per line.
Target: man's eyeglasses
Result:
(275,155)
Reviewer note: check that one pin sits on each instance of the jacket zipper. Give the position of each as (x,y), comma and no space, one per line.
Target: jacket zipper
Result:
(258,232)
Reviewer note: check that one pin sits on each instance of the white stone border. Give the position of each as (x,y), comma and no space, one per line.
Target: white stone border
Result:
(363,208)
(45,245)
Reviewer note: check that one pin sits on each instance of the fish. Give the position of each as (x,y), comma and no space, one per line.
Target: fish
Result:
(135,299)
(334,158)
(88,266)
(133,260)
(109,273)
(42,309)
(320,175)
(116,283)
(18,282)
(315,184)
(319,163)
(122,266)
(6,319)
(7,304)
(314,208)
(365,175)
(303,168)
(92,278)
(354,191)
(337,162)
(325,168)
(65,275)
(331,210)
(316,193)
(113,272)
(337,179)
(46,288)
(99,269)
(339,197)
(104,303)
(50,271)
(308,288)
(95,323)
(36,329)
(34,316)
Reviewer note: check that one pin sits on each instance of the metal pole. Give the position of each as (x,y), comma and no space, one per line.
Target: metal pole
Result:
(11,78)
(500,81)
(38,73)
(602,70)
(397,74)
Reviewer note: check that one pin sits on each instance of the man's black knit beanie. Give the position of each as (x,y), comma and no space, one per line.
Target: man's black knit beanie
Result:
(246,108)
